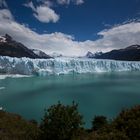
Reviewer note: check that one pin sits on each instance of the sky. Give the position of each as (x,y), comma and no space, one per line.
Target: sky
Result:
(72,27)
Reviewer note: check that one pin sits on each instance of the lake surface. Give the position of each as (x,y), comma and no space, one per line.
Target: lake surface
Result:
(97,94)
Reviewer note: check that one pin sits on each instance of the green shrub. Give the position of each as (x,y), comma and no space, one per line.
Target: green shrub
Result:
(114,135)
(64,122)
(61,122)
(99,122)
(128,122)
(14,127)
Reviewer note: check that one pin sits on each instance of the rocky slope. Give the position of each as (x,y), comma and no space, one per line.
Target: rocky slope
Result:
(131,53)
(12,48)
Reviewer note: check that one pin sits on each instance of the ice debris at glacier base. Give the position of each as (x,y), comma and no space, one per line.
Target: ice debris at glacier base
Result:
(27,66)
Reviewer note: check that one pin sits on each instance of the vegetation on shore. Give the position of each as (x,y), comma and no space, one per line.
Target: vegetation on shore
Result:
(64,122)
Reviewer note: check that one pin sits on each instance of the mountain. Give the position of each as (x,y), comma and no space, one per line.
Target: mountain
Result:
(89,55)
(93,55)
(131,53)
(12,48)
(56,55)
(41,54)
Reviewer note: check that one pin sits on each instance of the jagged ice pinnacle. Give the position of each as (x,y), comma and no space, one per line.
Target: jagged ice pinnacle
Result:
(27,66)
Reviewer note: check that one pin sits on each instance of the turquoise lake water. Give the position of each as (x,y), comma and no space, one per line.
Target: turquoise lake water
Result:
(97,94)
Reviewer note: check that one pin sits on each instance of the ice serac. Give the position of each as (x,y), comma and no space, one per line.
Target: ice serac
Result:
(29,66)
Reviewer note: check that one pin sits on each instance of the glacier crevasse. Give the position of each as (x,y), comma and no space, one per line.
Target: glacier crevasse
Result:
(27,66)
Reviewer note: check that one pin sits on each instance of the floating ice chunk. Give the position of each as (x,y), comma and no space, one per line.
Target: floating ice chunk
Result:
(2,88)
(4,76)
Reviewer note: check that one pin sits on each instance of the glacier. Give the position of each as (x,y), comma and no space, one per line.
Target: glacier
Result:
(42,67)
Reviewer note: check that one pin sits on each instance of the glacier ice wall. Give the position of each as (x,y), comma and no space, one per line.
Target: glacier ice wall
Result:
(28,66)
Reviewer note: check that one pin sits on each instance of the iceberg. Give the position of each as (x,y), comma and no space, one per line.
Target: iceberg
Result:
(4,76)
(63,65)
(1,88)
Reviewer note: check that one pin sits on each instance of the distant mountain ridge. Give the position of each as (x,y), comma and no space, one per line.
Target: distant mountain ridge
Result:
(41,54)
(131,53)
(12,48)
(93,55)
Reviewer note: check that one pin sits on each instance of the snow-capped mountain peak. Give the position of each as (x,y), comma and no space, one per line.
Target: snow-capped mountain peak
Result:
(2,39)
(6,38)
(93,55)
(41,53)
(12,48)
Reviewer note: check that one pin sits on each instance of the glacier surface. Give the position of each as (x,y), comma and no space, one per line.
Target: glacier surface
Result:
(27,66)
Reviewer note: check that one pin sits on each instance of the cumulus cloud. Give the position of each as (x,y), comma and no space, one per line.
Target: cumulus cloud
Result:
(3,3)
(79,2)
(5,14)
(120,36)
(43,13)
(67,2)
(114,38)
(55,42)
(117,37)
(63,1)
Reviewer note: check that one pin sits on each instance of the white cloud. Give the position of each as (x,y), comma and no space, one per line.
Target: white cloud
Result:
(48,3)
(79,2)
(5,14)
(55,42)
(120,36)
(46,14)
(67,2)
(43,13)
(30,5)
(114,38)
(3,3)
(117,37)
(63,1)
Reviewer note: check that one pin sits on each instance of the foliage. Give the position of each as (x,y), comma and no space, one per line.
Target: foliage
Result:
(61,122)
(116,135)
(64,122)
(99,122)
(14,127)
(128,122)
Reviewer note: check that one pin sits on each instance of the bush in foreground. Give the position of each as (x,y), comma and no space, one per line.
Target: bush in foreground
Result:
(61,122)
(99,122)
(14,127)
(128,122)
(64,122)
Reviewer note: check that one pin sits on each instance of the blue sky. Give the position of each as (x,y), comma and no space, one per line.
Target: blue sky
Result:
(83,21)
(72,26)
